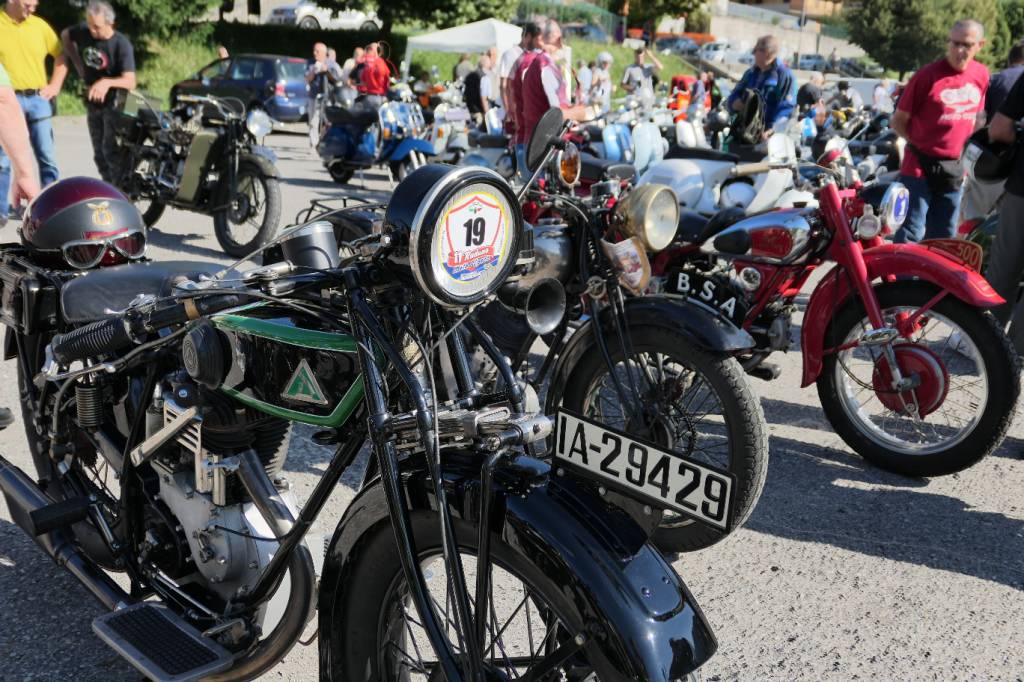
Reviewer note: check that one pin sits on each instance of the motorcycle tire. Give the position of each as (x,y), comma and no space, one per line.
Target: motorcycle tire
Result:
(222,219)
(153,213)
(340,174)
(744,418)
(371,591)
(1002,375)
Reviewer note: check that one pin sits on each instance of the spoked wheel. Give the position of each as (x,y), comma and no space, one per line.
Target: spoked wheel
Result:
(961,383)
(252,213)
(686,400)
(528,616)
(151,210)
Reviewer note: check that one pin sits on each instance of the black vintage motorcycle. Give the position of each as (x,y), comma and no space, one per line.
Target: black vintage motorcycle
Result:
(160,432)
(202,156)
(661,371)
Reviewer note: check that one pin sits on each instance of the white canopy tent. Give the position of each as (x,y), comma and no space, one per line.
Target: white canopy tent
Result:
(476,37)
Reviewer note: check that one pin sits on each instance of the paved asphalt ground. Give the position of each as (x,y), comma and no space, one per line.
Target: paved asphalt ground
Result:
(843,572)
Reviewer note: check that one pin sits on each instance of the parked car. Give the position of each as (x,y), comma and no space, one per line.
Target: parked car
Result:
(307,14)
(860,68)
(680,45)
(812,62)
(589,32)
(746,58)
(714,52)
(271,82)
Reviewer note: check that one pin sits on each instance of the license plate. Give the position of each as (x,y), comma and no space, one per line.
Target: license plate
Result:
(664,479)
(710,292)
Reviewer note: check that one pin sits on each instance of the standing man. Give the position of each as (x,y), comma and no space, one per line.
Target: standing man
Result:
(601,83)
(476,88)
(846,97)
(771,79)
(531,31)
(321,74)
(1001,84)
(881,98)
(14,141)
(584,78)
(1006,255)
(810,93)
(463,68)
(105,61)
(375,76)
(942,105)
(638,78)
(25,42)
(521,133)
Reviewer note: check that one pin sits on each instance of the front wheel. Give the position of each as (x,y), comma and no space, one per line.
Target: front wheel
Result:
(252,211)
(151,210)
(687,400)
(961,374)
(340,173)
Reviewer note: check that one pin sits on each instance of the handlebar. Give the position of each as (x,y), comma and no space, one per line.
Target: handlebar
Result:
(217,102)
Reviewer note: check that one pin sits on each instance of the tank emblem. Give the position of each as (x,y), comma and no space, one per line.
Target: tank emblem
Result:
(303,387)
(101,215)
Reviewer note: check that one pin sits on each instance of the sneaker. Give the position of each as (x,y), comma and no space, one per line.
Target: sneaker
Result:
(6,418)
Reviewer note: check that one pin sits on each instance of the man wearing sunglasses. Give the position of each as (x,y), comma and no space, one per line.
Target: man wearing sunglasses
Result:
(941,106)
(771,79)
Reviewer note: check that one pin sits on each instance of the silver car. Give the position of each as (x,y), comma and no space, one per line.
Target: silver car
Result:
(309,15)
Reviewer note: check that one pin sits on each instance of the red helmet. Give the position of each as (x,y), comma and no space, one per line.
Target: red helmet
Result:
(87,221)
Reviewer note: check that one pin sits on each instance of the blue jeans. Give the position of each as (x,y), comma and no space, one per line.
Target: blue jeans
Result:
(521,170)
(932,215)
(39,116)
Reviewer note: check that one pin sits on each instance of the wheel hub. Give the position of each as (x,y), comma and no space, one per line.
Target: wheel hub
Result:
(240,209)
(926,369)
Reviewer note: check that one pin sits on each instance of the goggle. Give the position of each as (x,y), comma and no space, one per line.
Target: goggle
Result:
(87,253)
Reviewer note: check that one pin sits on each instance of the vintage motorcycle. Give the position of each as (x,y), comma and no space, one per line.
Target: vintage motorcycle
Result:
(202,156)
(159,435)
(911,370)
(661,370)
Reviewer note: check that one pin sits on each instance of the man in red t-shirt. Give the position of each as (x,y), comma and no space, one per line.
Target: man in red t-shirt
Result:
(942,105)
(375,75)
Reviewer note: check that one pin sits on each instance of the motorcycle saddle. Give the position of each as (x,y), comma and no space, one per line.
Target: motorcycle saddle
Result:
(695,228)
(594,169)
(488,141)
(362,118)
(700,154)
(101,293)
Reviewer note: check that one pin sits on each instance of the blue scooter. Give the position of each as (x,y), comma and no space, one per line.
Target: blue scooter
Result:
(360,137)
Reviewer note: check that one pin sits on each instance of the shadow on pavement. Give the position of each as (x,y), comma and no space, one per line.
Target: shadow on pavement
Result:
(819,494)
(183,242)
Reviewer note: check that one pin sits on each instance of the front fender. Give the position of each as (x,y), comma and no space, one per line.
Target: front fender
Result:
(262,158)
(905,260)
(645,623)
(411,144)
(703,328)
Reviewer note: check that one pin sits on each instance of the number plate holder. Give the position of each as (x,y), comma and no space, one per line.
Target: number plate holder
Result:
(663,479)
(713,293)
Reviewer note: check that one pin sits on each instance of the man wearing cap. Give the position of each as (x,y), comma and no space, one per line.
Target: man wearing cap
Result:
(25,42)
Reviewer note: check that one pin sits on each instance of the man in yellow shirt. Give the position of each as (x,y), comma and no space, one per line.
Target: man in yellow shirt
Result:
(25,42)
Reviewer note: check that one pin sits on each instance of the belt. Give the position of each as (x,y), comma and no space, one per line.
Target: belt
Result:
(27,93)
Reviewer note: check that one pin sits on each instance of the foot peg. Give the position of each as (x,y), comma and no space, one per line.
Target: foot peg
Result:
(766,371)
(59,515)
(160,644)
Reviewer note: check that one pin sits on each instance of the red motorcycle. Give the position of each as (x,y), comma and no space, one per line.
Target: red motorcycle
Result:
(912,371)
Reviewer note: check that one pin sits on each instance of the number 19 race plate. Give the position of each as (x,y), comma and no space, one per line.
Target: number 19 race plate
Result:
(665,479)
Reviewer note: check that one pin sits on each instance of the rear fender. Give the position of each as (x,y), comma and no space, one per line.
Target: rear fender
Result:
(701,327)
(905,260)
(644,622)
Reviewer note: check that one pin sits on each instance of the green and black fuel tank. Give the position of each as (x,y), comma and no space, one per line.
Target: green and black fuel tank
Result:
(285,363)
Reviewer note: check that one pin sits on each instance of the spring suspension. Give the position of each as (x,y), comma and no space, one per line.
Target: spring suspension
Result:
(89,404)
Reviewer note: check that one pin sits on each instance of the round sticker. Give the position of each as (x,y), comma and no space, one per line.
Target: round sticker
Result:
(472,241)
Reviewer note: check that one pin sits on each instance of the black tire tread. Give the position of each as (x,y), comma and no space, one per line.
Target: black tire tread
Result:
(270,220)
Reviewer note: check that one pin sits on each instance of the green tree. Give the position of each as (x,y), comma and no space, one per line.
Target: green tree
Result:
(901,35)
(424,13)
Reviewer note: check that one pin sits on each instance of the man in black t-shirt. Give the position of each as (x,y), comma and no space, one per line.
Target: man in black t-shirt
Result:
(105,61)
(1006,254)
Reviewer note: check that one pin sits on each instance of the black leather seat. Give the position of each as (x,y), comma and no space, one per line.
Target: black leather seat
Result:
(701,154)
(694,228)
(594,169)
(104,292)
(360,117)
(488,141)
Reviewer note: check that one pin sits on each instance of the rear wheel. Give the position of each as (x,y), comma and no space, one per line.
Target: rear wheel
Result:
(690,401)
(963,384)
(340,174)
(309,23)
(252,213)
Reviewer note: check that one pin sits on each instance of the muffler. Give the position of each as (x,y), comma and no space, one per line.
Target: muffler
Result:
(25,499)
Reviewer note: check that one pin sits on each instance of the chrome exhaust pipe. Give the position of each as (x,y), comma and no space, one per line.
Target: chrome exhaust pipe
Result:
(302,576)
(24,497)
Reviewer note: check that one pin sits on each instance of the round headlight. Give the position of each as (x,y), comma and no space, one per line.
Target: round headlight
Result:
(650,212)
(462,226)
(569,165)
(259,123)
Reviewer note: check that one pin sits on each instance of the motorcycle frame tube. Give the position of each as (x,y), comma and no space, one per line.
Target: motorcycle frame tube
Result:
(597,554)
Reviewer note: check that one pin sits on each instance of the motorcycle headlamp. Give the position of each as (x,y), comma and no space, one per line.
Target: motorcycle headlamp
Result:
(650,212)
(259,123)
(568,165)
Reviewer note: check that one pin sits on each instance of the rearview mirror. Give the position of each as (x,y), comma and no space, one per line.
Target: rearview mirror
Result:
(547,130)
